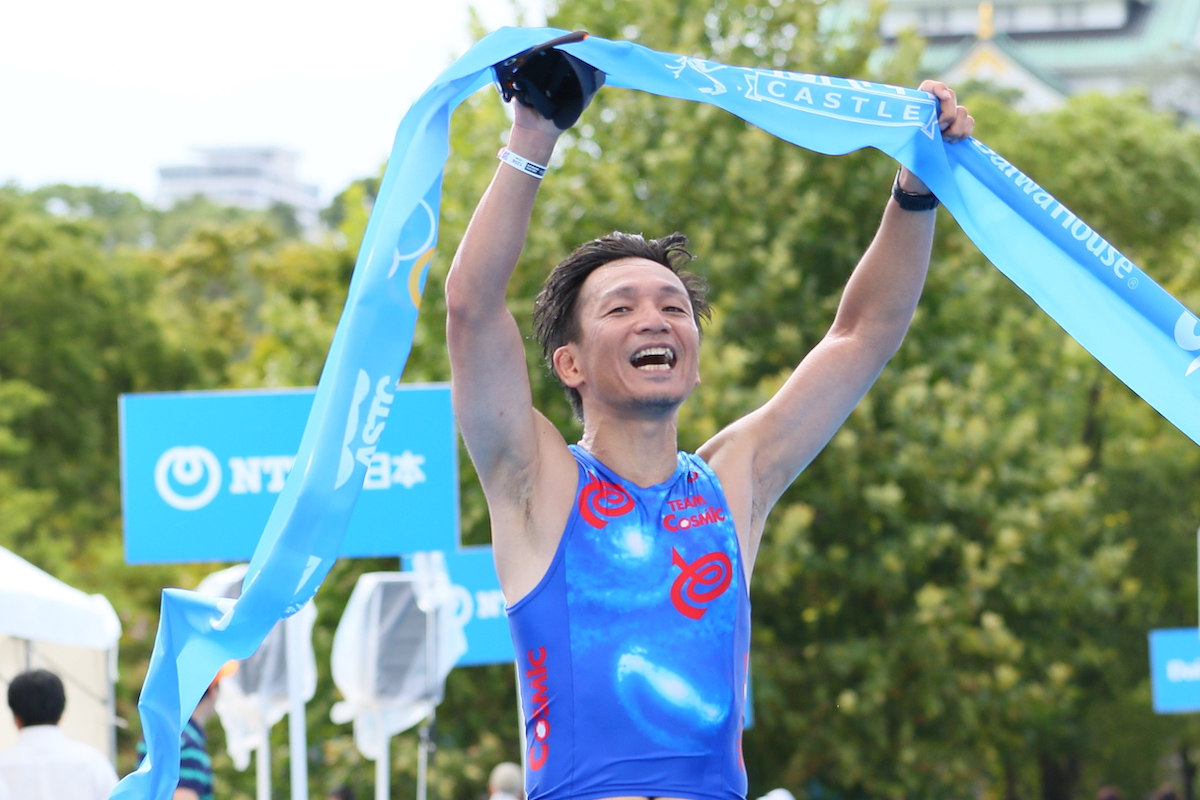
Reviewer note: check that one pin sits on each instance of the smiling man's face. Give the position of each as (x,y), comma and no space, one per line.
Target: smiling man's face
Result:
(638,342)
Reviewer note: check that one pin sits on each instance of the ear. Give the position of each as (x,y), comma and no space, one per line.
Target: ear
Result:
(567,367)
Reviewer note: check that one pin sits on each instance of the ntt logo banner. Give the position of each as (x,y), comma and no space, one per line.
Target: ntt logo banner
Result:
(201,471)
(1175,670)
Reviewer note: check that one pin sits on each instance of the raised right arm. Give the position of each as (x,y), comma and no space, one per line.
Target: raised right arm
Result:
(510,443)
(492,399)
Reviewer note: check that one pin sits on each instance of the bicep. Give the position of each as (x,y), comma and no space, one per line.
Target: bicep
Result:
(493,404)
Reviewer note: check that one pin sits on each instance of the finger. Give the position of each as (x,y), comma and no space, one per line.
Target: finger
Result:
(947,101)
(961,128)
(948,106)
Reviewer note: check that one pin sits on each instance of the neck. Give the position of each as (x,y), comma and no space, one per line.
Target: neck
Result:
(639,450)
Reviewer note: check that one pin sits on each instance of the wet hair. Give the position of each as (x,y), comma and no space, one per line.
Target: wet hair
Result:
(37,697)
(555,311)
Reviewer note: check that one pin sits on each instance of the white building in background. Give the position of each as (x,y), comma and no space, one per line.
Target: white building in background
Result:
(247,177)
(1049,49)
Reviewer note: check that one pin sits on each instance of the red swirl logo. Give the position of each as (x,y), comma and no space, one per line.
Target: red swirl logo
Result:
(700,582)
(601,499)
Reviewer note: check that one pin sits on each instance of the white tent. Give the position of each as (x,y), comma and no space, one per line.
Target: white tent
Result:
(397,641)
(46,623)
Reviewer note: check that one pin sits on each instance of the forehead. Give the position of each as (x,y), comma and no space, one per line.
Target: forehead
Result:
(630,276)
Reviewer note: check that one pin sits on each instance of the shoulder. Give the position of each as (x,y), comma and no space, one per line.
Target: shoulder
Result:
(730,456)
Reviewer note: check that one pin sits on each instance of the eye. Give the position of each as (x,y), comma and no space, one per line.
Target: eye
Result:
(675,310)
(618,309)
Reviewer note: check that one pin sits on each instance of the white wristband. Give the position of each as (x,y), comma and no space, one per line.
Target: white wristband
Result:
(524,164)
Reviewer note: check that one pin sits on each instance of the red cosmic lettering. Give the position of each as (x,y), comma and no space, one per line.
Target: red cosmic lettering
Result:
(599,499)
(700,582)
(539,699)
(676,523)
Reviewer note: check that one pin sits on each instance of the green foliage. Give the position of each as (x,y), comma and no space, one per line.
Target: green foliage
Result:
(955,594)
(952,601)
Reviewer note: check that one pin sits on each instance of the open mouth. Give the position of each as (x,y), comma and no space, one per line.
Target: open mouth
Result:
(653,358)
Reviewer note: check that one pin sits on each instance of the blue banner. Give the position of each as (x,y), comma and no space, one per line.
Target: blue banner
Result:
(1141,333)
(201,471)
(480,605)
(1175,670)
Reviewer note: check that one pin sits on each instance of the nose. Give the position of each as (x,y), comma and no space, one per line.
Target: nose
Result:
(651,319)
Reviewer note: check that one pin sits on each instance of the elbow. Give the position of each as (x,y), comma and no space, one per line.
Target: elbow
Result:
(468,306)
(881,339)
(460,304)
(885,340)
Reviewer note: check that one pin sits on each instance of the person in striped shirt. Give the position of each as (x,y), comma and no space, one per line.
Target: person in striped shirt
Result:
(195,764)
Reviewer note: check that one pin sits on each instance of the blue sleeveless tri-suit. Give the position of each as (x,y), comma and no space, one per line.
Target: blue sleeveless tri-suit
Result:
(632,650)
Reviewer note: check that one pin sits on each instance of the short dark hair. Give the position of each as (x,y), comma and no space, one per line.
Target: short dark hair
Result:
(555,317)
(37,697)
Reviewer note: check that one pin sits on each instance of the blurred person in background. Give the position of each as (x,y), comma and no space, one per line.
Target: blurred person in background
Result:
(506,782)
(195,764)
(44,764)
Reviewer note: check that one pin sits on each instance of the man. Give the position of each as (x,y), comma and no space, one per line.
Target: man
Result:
(505,782)
(195,764)
(44,764)
(625,563)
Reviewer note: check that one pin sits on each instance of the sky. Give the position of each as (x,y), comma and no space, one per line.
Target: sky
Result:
(104,93)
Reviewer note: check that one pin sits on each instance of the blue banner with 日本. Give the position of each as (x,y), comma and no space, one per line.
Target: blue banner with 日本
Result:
(1108,304)
(201,471)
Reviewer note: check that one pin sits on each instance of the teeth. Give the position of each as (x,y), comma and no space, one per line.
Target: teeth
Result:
(654,358)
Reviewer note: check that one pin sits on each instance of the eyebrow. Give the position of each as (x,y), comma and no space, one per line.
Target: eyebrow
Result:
(628,290)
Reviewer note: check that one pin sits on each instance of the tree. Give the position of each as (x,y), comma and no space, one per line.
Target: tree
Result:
(948,598)
(953,600)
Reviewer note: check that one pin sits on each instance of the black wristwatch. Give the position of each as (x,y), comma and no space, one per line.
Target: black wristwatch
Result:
(910,201)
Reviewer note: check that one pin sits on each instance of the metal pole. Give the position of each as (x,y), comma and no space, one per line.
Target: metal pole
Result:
(382,771)
(431,667)
(297,736)
(262,764)
(423,758)
(110,663)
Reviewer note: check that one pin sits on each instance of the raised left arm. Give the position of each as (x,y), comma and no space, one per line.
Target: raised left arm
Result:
(758,456)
